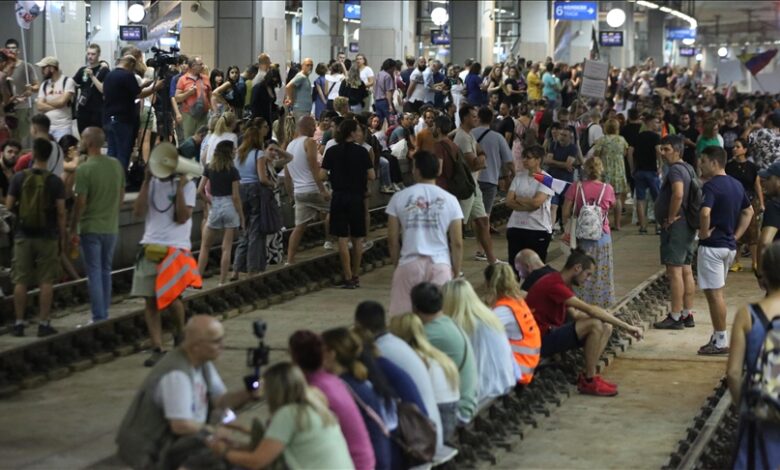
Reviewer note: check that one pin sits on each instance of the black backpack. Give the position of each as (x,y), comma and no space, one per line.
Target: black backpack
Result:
(461,184)
(692,206)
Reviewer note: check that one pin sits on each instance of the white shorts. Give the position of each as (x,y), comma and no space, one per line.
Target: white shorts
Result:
(713,266)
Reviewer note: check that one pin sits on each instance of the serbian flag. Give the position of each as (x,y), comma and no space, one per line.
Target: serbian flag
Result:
(553,183)
(756,62)
(26,12)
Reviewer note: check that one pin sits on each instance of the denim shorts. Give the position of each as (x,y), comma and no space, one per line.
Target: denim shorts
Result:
(644,181)
(223,213)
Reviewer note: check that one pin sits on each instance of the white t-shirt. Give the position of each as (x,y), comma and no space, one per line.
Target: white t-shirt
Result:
(61,118)
(401,354)
(495,363)
(365,74)
(418,94)
(425,212)
(160,227)
(334,83)
(216,139)
(303,180)
(441,387)
(182,398)
(524,185)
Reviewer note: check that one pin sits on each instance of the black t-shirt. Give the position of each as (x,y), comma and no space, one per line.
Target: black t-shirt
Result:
(772,215)
(221,181)
(55,189)
(93,97)
(746,173)
(535,276)
(630,132)
(120,90)
(504,125)
(689,153)
(730,135)
(348,164)
(661,80)
(645,158)
(4,182)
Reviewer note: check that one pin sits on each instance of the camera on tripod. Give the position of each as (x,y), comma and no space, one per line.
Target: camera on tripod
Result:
(163,60)
(256,357)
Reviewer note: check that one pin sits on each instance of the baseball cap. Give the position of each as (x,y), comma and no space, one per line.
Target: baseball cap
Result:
(772,170)
(49,61)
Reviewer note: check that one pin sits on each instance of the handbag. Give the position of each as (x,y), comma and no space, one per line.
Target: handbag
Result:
(270,214)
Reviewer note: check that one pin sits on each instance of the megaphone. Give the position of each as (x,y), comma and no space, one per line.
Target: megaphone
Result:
(165,161)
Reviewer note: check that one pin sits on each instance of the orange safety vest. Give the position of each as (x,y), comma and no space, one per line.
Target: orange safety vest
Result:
(178,271)
(526,350)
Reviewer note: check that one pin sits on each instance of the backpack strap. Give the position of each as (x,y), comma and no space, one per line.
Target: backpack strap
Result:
(601,195)
(483,135)
(759,312)
(582,194)
(368,410)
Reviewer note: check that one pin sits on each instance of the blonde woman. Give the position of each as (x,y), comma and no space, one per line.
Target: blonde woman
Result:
(225,201)
(612,149)
(223,130)
(599,288)
(488,339)
(302,429)
(354,90)
(504,296)
(443,372)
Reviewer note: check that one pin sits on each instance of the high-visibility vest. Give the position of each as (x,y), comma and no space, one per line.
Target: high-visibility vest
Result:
(526,351)
(175,273)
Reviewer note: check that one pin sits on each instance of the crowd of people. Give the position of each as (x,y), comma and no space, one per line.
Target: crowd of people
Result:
(444,142)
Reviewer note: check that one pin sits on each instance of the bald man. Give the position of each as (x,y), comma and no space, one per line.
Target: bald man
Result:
(530,268)
(100,183)
(176,397)
(298,91)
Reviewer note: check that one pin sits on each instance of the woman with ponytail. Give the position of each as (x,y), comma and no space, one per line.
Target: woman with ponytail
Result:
(223,130)
(342,357)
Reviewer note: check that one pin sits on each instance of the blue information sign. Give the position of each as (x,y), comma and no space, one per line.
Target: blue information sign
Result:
(680,33)
(576,11)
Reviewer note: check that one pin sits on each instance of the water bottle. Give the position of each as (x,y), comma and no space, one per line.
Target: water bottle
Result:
(74,247)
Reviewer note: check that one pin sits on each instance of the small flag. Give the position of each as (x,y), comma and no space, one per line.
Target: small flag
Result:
(594,44)
(756,62)
(26,12)
(553,183)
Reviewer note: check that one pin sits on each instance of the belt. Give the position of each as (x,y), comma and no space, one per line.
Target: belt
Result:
(380,99)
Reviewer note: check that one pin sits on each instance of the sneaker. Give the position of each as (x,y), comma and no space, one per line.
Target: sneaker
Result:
(642,231)
(18,330)
(710,349)
(328,245)
(669,323)
(350,284)
(154,358)
(356,281)
(494,231)
(46,330)
(480,256)
(386,190)
(596,386)
(367,245)
(736,267)
(397,187)
(688,321)
(606,384)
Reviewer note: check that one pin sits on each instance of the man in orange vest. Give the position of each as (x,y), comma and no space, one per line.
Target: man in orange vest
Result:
(165,266)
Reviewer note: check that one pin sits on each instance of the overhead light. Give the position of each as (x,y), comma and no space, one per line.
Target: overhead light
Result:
(136,13)
(665,9)
(699,57)
(689,41)
(723,52)
(616,17)
(645,4)
(439,16)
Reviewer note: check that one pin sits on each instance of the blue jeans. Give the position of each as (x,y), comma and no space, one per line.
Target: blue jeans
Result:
(97,253)
(382,108)
(250,254)
(384,172)
(120,140)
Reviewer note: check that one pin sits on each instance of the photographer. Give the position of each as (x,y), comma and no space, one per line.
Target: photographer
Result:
(120,90)
(167,68)
(177,396)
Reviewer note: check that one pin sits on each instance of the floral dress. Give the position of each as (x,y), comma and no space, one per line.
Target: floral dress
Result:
(611,149)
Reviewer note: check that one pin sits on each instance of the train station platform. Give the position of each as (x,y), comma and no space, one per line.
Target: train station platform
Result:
(71,423)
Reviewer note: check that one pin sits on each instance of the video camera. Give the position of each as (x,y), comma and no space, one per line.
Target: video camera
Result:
(256,357)
(162,61)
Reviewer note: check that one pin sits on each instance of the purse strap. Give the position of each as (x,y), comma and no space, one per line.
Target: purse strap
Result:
(368,410)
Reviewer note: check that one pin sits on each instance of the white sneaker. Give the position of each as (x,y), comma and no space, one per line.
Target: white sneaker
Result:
(386,190)
(367,244)
(328,245)
(396,187)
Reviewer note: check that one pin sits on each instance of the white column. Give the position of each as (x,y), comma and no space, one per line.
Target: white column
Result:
(386,30)
(472,31)
(535,41)
(320,29)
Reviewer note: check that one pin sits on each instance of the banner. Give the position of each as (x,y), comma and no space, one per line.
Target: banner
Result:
(26,12)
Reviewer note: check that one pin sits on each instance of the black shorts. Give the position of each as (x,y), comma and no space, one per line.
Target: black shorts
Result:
(347,215)
(561,339)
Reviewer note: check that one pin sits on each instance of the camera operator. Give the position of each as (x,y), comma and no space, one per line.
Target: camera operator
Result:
(177,396)
(120,90)
(167,67)
(89,81)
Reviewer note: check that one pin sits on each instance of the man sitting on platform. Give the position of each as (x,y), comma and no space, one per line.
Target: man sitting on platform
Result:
(589,327)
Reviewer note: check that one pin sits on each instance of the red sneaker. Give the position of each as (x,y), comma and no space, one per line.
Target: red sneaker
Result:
(609,384)
(595,386)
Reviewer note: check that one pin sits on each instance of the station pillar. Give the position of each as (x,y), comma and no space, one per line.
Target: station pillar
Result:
(535,41)
(472,29)
(387,30)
